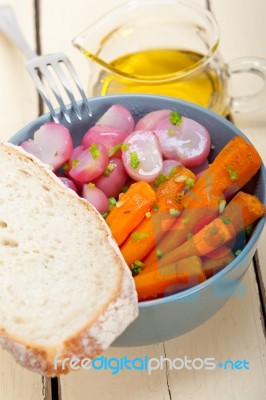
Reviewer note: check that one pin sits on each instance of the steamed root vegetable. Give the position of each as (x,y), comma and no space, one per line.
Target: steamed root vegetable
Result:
(148,233)
(215,261)
(150,120)
(111,137)
(89,164)
(96,197)
(142,156)
(113,178)
(68,183)
(130,210)
(52,144)
(183,139)
(118,117)
(242,211)
(234,166)
(169,279)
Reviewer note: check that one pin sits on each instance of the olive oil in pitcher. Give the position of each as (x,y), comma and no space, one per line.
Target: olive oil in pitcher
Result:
(160,72)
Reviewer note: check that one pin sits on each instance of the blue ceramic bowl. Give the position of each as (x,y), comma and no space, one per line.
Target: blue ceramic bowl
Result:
(169,317)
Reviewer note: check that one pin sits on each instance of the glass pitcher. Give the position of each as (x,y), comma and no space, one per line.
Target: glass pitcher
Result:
(165,47)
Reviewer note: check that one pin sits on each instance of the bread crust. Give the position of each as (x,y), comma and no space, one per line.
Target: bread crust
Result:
(108,322)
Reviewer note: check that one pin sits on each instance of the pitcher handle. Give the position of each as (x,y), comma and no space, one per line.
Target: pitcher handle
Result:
(251,101)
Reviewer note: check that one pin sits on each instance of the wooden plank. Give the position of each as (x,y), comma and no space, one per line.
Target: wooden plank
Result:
(18,105)
(243,32)
(18,100)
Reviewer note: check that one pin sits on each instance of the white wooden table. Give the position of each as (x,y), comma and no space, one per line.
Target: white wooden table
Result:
(237,331)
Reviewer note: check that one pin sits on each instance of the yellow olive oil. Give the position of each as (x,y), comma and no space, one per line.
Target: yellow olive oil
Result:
(161,71)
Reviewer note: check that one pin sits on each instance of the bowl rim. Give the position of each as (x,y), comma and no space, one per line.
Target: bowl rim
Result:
(208,113)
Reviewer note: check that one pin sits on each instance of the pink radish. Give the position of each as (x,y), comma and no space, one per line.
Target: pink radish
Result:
(113,178)
(119,117)
(52,144)
(89,164)
(96,197)
(112,138)
(142,157)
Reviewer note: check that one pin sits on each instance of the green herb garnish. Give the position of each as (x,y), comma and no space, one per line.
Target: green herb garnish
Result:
(66,167)
(113,150)
(175,118)
(110,167)
(155,207)
(171,132)
(189,183)
(125,146)
(91,185)
(140,235)
(160,179)
(226,220)
(94,150)
(137,267)
(233,174)
(159,254)
(174,211)
(190,235)
(104,215)
(186,220)
(134,160)
(237,252)
(148,214)
(74,163)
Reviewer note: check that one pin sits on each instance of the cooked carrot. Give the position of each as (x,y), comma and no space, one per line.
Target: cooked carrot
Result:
(237,162)
(242,211)
(170,279)
(215,261)
(145,236)
(182,228)
(130,210)
(171,190)
(233,167)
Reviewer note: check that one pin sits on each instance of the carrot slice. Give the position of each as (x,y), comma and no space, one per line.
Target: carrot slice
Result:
(170,279)
(217,260)
(242,211)
(130,210)
(145,236)
(233,167)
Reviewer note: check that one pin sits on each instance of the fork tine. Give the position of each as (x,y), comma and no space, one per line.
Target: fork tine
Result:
(55,62)
(73,73)
(42,90)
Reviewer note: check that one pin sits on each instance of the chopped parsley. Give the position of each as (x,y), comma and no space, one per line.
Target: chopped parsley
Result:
(155,207)
(94,150)
(114,149)
(189,183)
(175,118)
(160,179)
(237,252)
(159,254)
(134,160)
(233,174)
(91,185)
(125,146)
(186,220)
(174,211)
(226,220)
(140,235)
(171,132)
(74,163)
(110,167)
(137,267)
(190,235)
(66,167)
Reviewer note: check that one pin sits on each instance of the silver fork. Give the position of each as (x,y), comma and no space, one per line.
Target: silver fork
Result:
(40,68)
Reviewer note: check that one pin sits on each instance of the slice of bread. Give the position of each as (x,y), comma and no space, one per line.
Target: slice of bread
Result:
(65,288)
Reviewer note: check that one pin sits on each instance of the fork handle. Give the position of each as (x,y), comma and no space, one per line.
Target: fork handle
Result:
(10,26)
